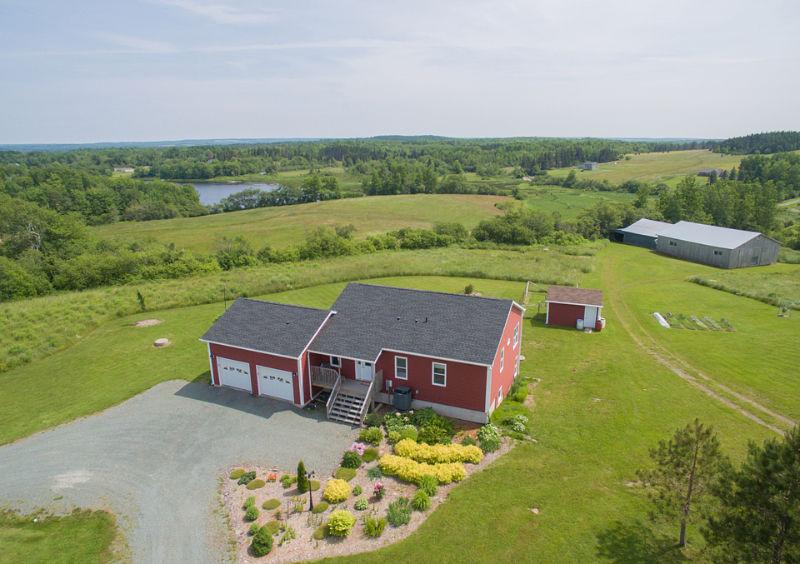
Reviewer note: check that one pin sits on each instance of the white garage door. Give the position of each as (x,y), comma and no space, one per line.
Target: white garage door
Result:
(275,383)
(234,373)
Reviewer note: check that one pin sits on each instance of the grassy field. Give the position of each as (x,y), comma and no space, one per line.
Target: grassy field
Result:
(287,225)
(759,359)
(83,536)
(668,168)
(567,201)
(777,284)
(601,403)
(42,326)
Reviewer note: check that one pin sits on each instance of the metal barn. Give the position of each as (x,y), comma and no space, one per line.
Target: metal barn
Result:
(642,233)
(717,246)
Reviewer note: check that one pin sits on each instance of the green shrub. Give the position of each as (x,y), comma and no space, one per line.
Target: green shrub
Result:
(302,479)
(373,419)
(236,473)
(249,502)
(287,480)
(421,501)
(246,478)
(434,434)
(320,507)
(357,491)
(370,455)
(408,432)
(393,436)
(428,484)
(271,504)
(426,417)
(360,504)
(320,532)
(468,441)
(374,473)
(346,474)
(371,435)
(489,438)
(399,512)
(517,423)
(393,421)
(274,527)
(254,527)
(255,484)
(340,523)
(351,459)
(438,453)
(374,526)
(251,513)
(262,542)
(336,491)
(313,485)
(518,391)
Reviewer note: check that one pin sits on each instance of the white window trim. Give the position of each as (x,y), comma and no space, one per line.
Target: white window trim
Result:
(433,374)
(516,335)
(338,363)
(396,374)
(502,359)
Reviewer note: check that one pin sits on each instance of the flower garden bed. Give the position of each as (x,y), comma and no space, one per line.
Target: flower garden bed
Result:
(351,513)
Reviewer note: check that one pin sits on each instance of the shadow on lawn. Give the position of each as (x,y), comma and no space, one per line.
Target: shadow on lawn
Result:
(200,389)
(626,543)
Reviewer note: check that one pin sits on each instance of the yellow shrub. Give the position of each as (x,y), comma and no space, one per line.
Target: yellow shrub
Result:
(412,471)
(336,491)
(433,454)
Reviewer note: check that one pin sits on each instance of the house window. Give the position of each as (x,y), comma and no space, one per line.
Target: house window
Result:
(336,362)
(502,359)
(718,253)
(516,335)
(401,367)
(673,244)
(439,374)
(500,395)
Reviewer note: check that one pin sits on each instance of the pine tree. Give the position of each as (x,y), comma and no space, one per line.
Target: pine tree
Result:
(685,467)
(302,478)
(757,520)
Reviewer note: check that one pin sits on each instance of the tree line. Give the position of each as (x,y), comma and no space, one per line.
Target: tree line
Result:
(770,142)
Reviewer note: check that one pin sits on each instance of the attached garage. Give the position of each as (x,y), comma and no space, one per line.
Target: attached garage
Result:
(234,374)
(261,347)
(275,383)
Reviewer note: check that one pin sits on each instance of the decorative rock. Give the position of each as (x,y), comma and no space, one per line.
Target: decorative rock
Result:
(162,342)
(147,322)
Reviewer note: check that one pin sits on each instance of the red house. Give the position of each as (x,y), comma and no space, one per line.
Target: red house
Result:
(579,308)
(458,354)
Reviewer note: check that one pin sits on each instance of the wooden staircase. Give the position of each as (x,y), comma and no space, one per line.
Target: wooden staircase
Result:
(347,408)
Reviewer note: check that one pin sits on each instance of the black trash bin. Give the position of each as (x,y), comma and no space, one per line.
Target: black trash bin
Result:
(402,398)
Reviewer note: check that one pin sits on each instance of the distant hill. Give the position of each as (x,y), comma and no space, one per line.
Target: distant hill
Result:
(43,147)
(761,143)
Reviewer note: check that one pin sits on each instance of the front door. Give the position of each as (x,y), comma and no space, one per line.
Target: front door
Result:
(364,370)
(589,316)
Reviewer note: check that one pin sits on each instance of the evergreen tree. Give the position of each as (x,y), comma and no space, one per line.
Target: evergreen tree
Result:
(684,469)
(759,515)
(302,478)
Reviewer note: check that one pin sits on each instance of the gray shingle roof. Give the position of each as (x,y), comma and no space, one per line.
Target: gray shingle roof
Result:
(710,235)
(570,295)
(452,326)
(266,326)
(647,227)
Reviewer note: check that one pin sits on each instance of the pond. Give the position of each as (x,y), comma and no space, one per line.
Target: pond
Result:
(213,192)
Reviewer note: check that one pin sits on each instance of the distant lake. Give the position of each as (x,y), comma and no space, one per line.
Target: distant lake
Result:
(213,192)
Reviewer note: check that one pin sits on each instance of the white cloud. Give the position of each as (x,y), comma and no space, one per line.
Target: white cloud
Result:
(225,13)
(137,44)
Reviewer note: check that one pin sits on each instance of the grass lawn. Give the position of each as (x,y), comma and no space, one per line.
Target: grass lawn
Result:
(601,403)
(759,359)
(83,536)
(668,168)
(287,225)
(777,284)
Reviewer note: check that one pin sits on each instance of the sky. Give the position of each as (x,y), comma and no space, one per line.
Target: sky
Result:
(139,70)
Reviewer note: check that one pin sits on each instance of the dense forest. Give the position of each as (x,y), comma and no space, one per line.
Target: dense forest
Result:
(771,142)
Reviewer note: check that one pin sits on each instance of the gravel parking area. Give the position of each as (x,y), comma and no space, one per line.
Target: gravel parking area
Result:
(155,461)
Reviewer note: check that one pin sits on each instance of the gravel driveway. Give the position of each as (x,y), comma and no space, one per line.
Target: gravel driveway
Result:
(155,461)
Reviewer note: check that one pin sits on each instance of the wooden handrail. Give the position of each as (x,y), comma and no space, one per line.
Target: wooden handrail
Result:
(376,384)
(334,393)
(323,376)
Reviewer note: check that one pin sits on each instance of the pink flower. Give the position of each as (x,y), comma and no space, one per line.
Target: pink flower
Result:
(359,448)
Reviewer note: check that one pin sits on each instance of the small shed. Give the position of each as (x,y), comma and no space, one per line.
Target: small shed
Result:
(589,165)
(581,308)
(642,233)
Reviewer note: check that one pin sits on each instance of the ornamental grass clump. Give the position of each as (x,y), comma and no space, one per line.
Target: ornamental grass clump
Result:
(428,484)
(336,491)
(340,523)
(399,512)
(421,501)
(374,526)
(438,453)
